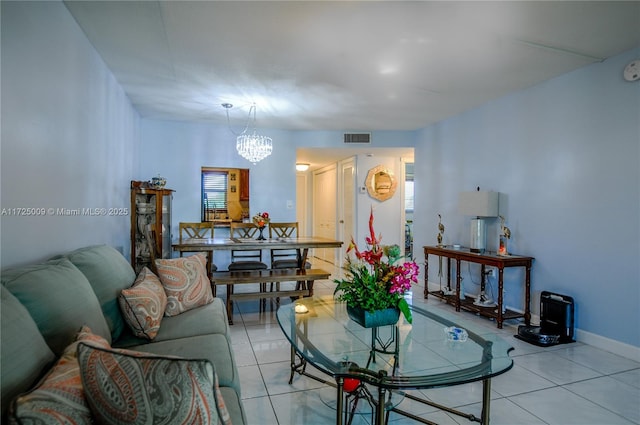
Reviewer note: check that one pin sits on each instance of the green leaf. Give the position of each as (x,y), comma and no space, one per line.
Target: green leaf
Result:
(404,308)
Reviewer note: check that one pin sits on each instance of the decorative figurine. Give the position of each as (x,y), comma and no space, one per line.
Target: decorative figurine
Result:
(158,182)
(440,230)
(447,290)
(505,234)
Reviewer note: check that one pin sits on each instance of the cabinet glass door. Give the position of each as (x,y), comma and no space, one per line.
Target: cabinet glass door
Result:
(166,225)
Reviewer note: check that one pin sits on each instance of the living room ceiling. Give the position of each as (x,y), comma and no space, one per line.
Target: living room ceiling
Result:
(349,65)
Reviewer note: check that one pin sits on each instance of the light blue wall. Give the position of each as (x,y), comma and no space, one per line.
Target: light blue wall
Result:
(69,136)
(566,155)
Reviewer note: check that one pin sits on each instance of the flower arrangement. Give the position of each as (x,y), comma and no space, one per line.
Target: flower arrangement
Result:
(261,219)
(373,280)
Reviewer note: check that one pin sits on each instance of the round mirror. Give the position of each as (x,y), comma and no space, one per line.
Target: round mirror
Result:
(381,183)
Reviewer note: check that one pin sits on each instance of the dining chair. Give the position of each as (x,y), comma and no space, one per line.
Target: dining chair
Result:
(285,258)
(246,259)
(198,230)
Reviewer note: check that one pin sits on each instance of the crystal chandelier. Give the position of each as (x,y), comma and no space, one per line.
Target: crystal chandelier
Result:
(254,147)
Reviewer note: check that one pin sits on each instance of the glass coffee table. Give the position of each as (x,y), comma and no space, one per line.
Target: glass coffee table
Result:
(377,366)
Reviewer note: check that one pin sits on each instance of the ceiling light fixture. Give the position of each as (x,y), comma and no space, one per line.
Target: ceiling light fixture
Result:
(253,147)
(302,166)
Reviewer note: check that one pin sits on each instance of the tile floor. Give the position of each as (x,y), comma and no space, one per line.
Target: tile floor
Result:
(564,384)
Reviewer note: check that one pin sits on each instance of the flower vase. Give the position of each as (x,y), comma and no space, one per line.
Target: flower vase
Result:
(367,319)
(261,236)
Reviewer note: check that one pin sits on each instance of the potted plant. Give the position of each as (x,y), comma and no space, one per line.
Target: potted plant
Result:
(375,282)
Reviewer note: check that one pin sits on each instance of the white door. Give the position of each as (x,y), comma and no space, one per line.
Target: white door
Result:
(346,205)
(324,210)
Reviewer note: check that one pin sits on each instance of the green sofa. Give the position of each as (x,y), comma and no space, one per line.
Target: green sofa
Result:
(43,306)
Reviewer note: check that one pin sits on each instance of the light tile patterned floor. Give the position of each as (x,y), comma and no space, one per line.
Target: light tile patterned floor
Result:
(564,384)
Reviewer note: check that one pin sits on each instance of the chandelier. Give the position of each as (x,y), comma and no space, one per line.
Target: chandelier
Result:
(253,147)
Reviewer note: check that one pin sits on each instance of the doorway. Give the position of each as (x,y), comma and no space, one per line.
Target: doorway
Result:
(324,209)
(341,172)
(408,209)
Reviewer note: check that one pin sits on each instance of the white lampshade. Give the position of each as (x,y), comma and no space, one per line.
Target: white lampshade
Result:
(478,204)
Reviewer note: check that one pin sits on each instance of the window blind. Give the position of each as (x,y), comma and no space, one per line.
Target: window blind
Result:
(214,192)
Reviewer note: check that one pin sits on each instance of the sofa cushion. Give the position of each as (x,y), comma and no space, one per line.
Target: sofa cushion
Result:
(108,272)
(206,319)
(186,283)
(59,397)
(60,300)
(25,354)
(131,387)
(143,304)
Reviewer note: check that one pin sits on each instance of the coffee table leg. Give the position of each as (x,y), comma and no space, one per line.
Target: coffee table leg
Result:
(486,400)
(380,409)
(293,364)
(339,404)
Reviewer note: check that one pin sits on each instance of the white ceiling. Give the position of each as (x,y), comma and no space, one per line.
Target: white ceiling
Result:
(349,65)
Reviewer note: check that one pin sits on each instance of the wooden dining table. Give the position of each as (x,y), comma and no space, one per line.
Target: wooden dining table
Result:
(303,276)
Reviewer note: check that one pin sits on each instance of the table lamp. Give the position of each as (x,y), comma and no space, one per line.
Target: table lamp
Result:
(479,205)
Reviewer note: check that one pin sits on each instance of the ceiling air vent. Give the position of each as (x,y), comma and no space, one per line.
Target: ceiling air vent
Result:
(357,137)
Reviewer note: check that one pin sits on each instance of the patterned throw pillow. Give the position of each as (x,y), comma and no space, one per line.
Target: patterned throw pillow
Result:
(124,387)
(59,397)
(186,283)
(143,304)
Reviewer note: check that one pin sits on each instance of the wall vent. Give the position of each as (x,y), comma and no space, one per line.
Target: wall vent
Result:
(357,137)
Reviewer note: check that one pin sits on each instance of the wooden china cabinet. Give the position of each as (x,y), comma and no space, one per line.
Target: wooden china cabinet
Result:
(149,205)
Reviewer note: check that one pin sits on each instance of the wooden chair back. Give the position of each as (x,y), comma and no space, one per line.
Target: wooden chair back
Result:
(197,230)
(284,258)
(283,230)
(244,231)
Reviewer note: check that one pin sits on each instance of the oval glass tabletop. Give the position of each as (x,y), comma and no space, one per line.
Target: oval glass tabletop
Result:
(428,356)
(435,350)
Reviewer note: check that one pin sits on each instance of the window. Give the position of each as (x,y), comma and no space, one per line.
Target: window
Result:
(408,196)
(214,193)
(408,187)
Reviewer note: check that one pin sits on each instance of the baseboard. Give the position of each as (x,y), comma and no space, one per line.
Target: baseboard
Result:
(607,344)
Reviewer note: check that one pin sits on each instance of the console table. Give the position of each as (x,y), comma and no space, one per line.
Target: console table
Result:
(485,259)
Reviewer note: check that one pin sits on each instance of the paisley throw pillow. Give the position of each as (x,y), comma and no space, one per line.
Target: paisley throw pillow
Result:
(123,386)
(185,282)
(143,304)
(59,397)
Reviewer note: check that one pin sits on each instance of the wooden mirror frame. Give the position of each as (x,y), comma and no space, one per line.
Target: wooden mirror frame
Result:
(381,183)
